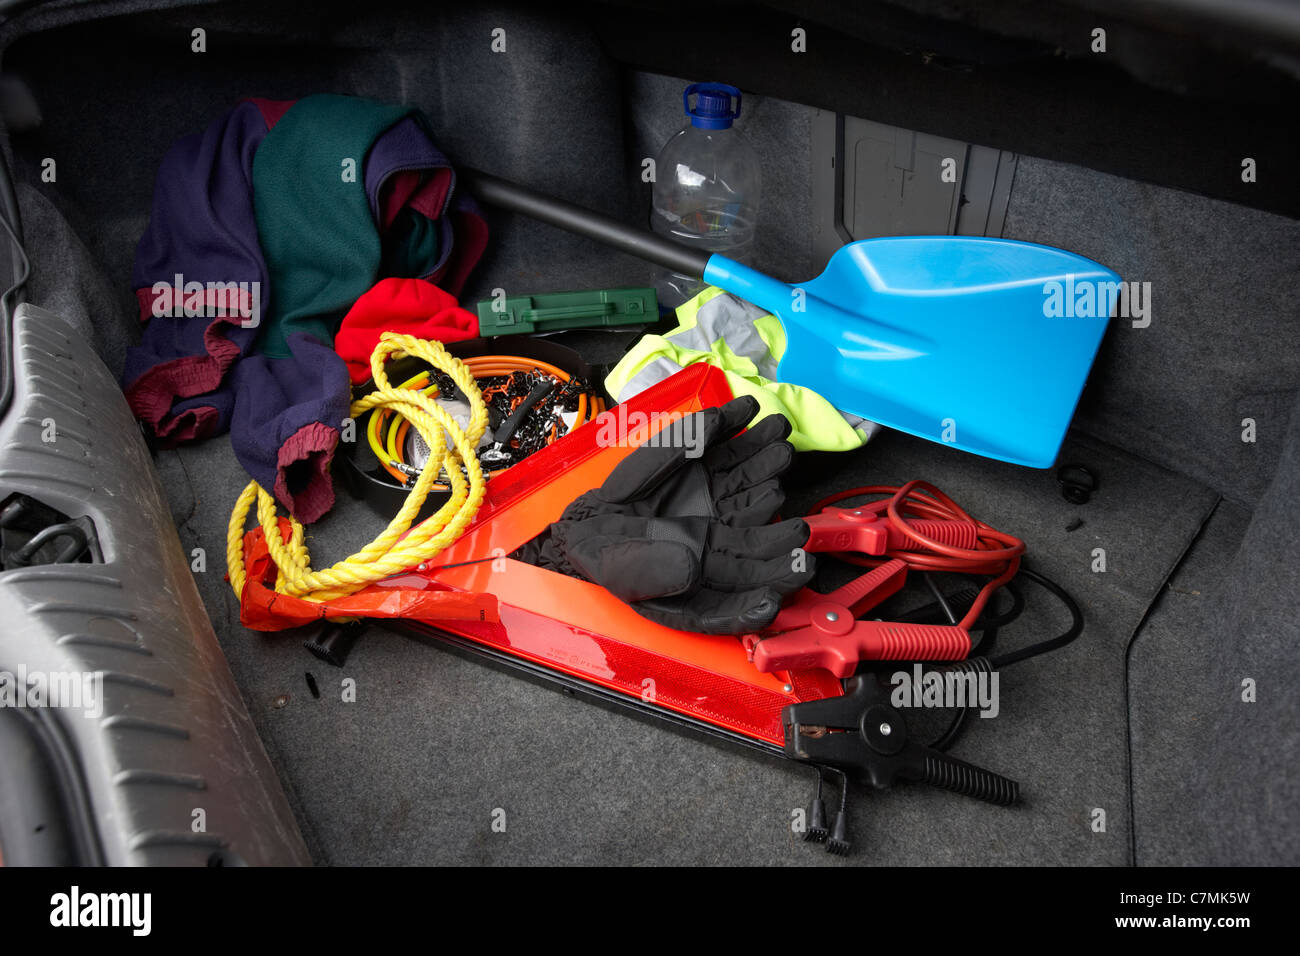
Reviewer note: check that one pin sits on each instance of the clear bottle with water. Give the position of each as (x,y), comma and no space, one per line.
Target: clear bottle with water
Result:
(707,182)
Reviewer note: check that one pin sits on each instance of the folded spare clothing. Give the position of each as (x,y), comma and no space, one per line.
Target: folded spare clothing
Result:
(287,416)
(200,245)
(298,208)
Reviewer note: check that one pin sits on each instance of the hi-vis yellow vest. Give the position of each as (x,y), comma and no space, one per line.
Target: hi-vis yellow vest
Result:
(747,344)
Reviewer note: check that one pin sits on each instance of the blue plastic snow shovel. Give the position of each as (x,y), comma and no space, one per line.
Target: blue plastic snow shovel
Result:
(981,344)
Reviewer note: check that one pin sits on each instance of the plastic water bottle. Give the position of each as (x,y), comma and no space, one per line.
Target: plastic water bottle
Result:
(707,182)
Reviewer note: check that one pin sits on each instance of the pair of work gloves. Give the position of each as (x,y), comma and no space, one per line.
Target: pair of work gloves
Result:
(682,528)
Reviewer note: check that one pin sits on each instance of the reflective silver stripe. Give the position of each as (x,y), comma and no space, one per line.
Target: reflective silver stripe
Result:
(652,373)
(727,318)
(694,339)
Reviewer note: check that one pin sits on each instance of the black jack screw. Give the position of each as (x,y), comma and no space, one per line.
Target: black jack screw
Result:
(332,641)
(816,829)
(839,842)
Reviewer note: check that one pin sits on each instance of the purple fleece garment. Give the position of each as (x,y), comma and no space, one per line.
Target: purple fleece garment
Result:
(202,228)
(406,148)
(195,376)
(406,161)
(288,410)
(287,416)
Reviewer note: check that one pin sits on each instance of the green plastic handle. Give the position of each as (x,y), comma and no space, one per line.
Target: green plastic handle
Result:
(579,312)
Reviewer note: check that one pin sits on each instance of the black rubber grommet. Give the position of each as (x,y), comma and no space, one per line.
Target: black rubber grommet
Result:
(1077,483)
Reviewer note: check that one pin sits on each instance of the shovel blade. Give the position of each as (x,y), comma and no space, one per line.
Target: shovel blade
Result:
(981,344)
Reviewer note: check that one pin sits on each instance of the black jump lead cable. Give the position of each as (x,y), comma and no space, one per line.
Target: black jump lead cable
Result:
(989,628)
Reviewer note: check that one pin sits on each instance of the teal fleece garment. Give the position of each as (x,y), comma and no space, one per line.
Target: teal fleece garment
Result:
(314,222)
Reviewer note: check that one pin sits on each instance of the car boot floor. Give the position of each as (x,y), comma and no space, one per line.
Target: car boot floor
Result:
(438,746)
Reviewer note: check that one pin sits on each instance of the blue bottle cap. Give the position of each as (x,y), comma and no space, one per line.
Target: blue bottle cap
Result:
(712,108)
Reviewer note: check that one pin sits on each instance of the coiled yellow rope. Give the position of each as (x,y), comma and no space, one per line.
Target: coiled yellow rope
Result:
(385,555)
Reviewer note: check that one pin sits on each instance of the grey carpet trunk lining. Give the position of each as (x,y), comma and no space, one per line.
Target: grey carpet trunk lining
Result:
(434,743)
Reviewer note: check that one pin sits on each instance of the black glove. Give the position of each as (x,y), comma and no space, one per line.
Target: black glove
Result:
(680,528)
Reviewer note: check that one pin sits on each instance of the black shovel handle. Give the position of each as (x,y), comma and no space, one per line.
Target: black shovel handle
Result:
(641,243)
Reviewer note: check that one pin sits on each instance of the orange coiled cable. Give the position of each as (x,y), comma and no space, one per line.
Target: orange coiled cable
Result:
(487,366)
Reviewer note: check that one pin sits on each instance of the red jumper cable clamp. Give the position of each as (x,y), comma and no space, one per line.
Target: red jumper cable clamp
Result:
(926,531)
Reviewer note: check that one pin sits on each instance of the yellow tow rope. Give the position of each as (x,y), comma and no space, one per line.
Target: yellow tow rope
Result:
(386,555)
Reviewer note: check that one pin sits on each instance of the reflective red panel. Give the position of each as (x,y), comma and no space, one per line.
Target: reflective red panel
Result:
(580,629)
